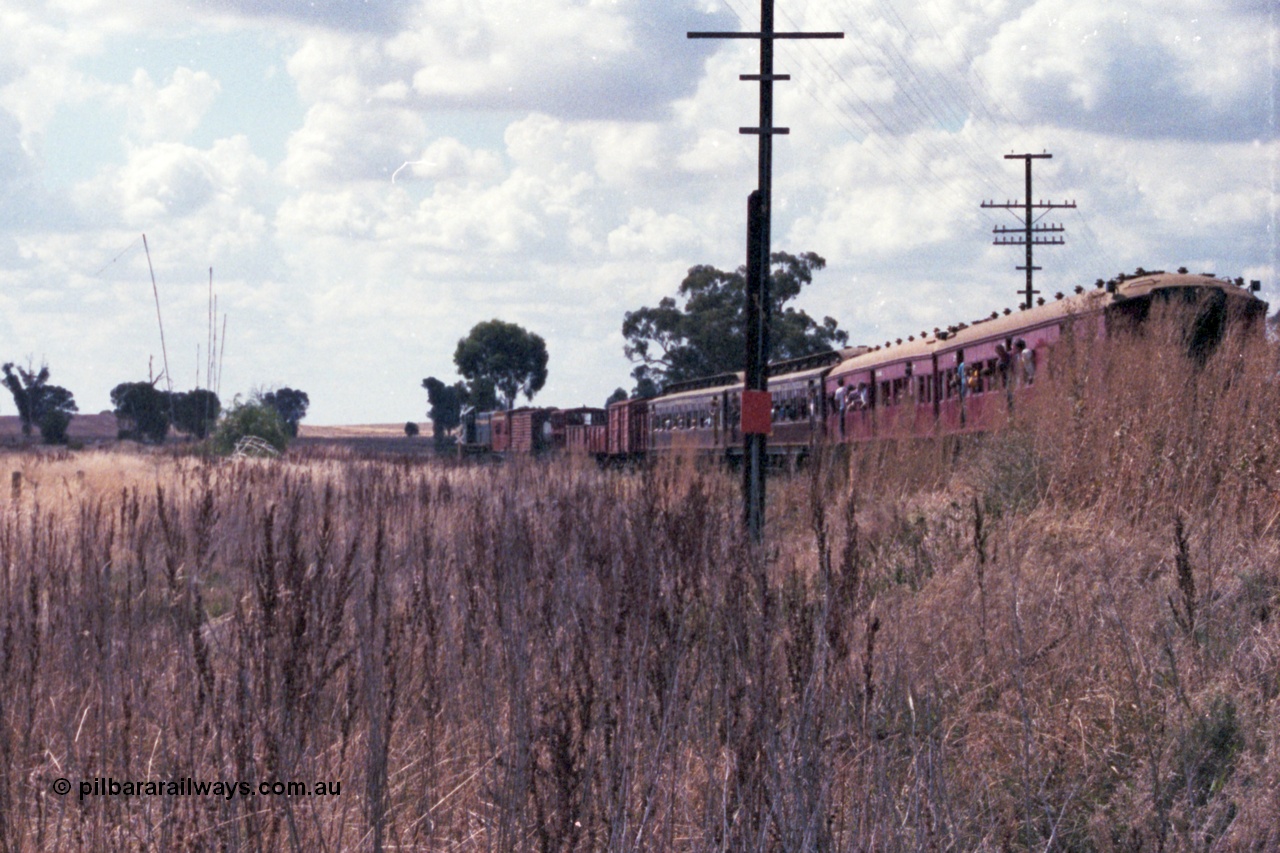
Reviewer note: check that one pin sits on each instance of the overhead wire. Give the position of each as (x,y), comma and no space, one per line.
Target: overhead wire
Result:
(928,101)
(987,101)
(119,255)
(919,122)
(852,109)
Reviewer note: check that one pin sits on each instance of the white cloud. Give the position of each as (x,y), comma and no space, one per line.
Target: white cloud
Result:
(169,180)
(172,111)
(563,58)
(338,144)
(448,161)
(1139,70)
(356,15)
(648,232)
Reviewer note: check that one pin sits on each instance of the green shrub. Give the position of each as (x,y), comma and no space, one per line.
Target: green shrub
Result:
(245,419)
(53,426)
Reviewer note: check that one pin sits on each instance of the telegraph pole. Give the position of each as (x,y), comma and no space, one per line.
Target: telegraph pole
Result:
(1028,234)
(756,404)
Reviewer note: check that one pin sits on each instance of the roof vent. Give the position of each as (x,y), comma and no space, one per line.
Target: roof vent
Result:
(1255,286)
(1039,300)
(1182,270)
(1099,283)
(1008,311)
(1079,288)
(1111,286)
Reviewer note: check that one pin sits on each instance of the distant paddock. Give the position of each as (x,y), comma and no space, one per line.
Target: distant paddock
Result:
(100,430)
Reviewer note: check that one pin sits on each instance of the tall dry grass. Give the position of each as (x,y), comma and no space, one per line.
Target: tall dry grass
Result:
(1061,637)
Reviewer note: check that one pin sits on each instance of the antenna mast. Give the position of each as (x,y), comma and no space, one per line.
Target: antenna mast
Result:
(156,292)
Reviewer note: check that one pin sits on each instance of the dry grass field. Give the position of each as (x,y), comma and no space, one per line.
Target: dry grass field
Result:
(357,431)
(1062,637)
(368,440)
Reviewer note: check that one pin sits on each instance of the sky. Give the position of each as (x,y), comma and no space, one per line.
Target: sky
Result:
(363,181)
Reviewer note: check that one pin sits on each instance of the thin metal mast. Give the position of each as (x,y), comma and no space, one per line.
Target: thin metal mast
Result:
(155,291)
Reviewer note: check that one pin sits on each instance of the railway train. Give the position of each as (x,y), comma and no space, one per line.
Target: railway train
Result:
(956,380)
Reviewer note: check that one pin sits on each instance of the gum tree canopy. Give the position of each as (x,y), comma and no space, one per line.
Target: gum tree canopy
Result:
(46,407)
(142,411)
(707,335)
(291,405)
(445,403)
(510,358)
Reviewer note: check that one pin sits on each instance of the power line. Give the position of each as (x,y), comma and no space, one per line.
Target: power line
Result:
(121,254)
(926,103)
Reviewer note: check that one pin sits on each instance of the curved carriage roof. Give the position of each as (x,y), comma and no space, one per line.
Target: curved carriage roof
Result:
(1010,325)
(1022,321)
(729,382)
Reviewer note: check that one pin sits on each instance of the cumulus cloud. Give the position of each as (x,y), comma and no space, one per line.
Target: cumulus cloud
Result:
(171,111)
(1137,70)
(448,161)
(648,232)
(340,144)
(351,15)
(171,180)
(624,59)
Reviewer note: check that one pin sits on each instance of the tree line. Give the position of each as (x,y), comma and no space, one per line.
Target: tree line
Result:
(146,413)
(701,331)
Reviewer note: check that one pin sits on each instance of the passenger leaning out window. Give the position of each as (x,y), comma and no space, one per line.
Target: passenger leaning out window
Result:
(1026,362)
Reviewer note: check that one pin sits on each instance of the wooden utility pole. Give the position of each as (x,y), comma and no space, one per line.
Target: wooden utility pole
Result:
(756,404)
(1027,234)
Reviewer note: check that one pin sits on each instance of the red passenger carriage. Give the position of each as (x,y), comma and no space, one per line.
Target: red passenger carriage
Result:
(964,379)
